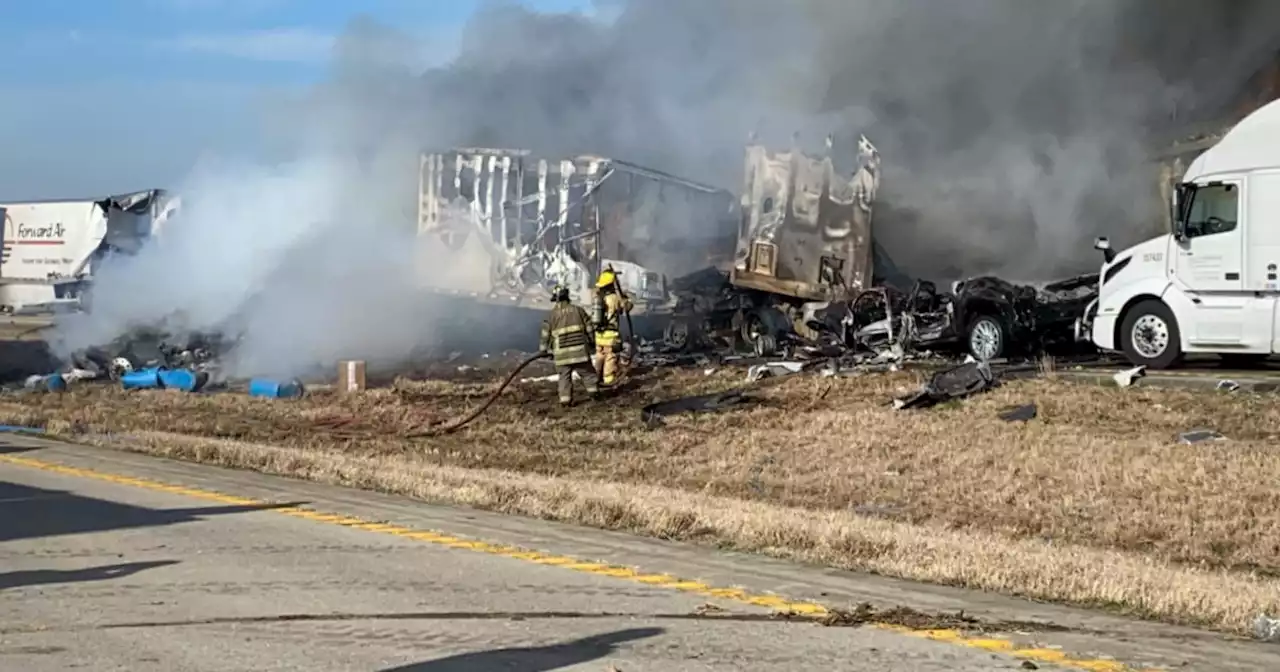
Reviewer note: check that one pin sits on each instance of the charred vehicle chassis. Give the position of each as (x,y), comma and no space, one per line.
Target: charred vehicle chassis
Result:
(985,316)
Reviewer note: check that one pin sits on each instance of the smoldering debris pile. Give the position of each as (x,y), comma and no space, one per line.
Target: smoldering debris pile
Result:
(182,361)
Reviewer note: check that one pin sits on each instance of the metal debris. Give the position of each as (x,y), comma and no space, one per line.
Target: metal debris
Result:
(954,383)
(53,382)
(772,369)
(1200,436)
(1127,378)
(652,414)
(1228,385)
(1266,628)
(1022,413)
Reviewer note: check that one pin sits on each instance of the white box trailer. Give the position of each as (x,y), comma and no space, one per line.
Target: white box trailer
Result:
(50,248)
(1212,284)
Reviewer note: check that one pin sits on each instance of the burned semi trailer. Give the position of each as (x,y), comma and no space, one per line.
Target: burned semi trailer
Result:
(505,226)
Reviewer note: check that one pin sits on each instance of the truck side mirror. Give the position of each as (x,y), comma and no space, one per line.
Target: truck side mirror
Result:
(1103,244)
(1182,196)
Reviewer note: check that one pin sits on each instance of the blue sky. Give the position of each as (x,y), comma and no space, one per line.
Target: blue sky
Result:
(117,95)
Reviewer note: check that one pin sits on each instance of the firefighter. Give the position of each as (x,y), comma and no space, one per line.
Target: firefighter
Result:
(567,335)
(610,305)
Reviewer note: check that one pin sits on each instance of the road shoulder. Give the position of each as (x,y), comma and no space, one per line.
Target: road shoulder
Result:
(1049,634)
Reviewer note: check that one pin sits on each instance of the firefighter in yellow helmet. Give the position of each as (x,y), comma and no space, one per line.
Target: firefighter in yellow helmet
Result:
(567,335)
(610,305)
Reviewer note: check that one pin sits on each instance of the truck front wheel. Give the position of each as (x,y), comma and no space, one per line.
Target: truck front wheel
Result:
(1149,336)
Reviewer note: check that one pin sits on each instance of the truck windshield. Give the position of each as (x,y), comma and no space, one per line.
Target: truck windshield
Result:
(1213,210)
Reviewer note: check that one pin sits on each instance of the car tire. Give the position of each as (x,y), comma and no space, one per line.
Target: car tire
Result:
(986,338)
(1160,347)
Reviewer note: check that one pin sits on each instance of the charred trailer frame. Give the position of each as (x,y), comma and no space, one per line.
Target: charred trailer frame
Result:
(537,223)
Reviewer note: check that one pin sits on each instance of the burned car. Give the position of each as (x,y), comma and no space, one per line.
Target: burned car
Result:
(985,316)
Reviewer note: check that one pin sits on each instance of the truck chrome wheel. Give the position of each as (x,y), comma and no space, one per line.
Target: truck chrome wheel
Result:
(1150,336)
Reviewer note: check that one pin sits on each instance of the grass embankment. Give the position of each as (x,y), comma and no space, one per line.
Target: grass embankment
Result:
(1093,502)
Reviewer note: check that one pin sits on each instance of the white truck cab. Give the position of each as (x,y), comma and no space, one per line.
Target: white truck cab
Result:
(1212,284)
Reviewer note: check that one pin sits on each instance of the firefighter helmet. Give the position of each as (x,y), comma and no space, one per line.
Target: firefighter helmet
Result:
(607,277)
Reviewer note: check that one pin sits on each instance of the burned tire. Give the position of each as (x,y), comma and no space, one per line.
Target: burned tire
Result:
(986,338)
(765,346)
(1149,336)
(676,334)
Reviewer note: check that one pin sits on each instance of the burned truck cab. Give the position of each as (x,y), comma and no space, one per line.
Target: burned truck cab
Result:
(805,229)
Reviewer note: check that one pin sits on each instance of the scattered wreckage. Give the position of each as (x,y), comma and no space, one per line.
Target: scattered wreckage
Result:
(143,357)
(790,265)
(986,317)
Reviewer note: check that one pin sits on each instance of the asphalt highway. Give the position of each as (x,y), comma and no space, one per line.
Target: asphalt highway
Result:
(111,561)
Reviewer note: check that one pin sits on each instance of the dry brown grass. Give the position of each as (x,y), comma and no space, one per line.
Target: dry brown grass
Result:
(1092,502)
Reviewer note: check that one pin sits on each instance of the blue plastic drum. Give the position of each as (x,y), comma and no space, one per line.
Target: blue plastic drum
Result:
(182,379)
(142,379)
(160,377)
(271,389)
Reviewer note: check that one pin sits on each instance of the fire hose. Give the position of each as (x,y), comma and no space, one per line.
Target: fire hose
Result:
(631,338)
(493,396)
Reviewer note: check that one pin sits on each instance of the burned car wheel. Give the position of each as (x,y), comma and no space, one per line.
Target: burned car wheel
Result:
(986,337)
(764,345)
(676,334)
(1149,336)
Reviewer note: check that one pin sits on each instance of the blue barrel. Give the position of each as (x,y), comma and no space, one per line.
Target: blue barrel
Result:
(142,379)
(265,387)
(54,382)
(182,379)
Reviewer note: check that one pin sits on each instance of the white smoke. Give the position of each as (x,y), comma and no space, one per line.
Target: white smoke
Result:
(1012,132)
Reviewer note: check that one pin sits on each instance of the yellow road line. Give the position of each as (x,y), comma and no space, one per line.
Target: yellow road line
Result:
(804,609)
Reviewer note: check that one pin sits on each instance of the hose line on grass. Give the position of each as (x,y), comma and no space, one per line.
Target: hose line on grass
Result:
(463,421)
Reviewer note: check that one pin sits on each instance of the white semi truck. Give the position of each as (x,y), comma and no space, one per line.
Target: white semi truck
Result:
(1211,285)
